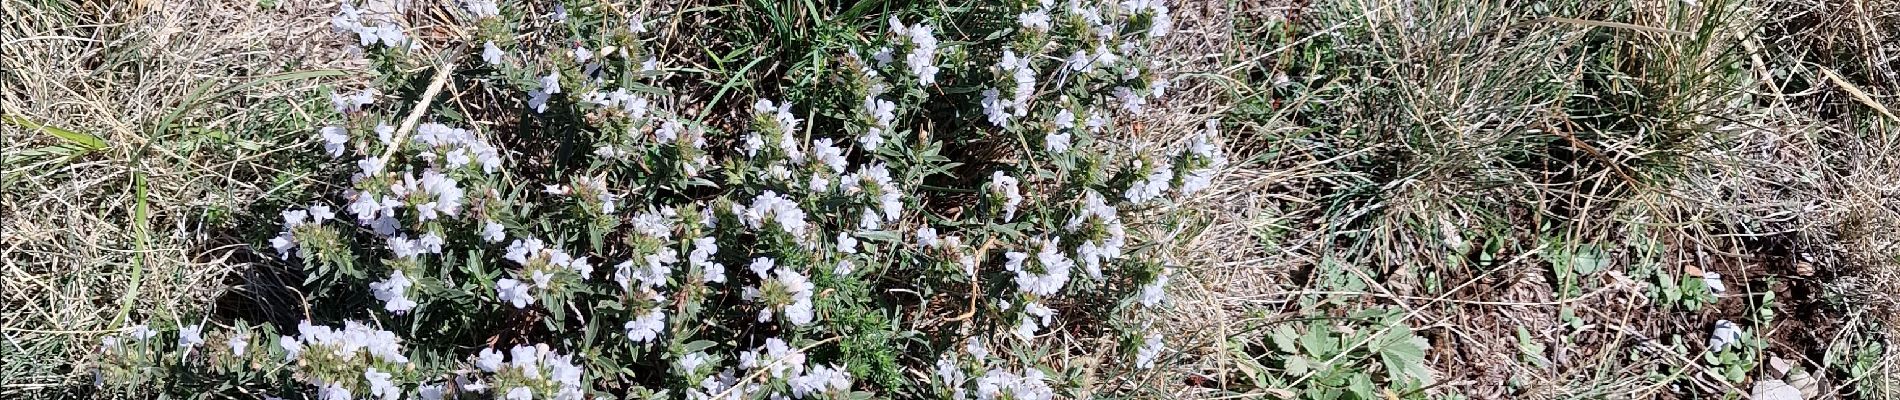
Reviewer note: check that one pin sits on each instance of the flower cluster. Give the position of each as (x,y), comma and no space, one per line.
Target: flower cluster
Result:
(782,292)
(357,360)
(528,372)
(837,198)
(541,265)
(372,26)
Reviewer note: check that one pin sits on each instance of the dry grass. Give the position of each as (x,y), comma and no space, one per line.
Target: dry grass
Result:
(1777,188)
(120,235)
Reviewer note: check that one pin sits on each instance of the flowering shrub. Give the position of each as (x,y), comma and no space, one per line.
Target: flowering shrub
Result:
(570,234)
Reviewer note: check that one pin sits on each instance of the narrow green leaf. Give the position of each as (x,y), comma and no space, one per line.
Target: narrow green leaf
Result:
(82,140)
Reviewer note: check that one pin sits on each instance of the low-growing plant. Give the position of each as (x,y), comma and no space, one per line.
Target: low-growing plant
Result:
(531,204)
(1371,354)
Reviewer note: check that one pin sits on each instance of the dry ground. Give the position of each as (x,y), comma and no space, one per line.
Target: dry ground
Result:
(91,234)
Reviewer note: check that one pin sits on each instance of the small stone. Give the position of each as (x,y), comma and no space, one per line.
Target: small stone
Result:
(1778,367)
(1809,386)
(1775,389)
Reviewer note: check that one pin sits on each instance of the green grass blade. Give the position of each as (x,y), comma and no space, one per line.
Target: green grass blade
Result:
(84,141)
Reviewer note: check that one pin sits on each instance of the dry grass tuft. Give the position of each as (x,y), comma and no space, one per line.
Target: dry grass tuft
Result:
(120,235)
(1459,124)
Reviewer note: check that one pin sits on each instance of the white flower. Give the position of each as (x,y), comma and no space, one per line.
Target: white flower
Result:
(927,237)
(283,243)
(513,291)
(1096,121)
(1131,102)
(1055,270)
(1065,119)
(844,268)
(385,134)
(492,231)
(141,332)
(847,244)
(333,391)
(1035,20)
(976,348)
(393,292)
(334,139)
(292,347)
(1035,314)
(380,386)
(191,336)
(1056,143)
(1002,384)
(820,380)
(1079,61)
(995,108)
(1161,22)
(1150,349)
(1714,282)
(798,308)
(1154,292)
(1005,187)
(647,326)
(352,103)
(538,98)
(489,360)
(949,374)
(491,54)
(581,55)
(520,393)
(922,59)
(778,210)
(751,144)
(482,8)
(691,362)
(239,342)
(369,166)
(320,213)
(1197,180)
(831,156)
(1153,186)
(429,392)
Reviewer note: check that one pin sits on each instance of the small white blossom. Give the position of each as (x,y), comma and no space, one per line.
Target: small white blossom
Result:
(1150,349)
(191,336)
(514,292)
(492,232)
(1005,187)
(491,54)
(1035,20)
(927,237)
(393,292)
(647,326)
(334,140)
(239,343)
(1056,143)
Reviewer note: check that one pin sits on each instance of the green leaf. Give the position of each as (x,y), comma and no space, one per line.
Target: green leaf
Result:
(1589,259)
(697,345)
(1298,365)
(1318,343)
(1284,337)
(78,140)
(1404,354)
